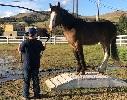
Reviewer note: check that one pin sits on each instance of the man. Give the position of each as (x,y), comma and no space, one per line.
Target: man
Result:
(31,50)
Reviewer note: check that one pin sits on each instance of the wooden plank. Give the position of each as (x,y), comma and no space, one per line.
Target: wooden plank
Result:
(61,79)
(55,81)
(50,84)
(98,76)
(90,80)
(73,75)
(92,73)
(66,77)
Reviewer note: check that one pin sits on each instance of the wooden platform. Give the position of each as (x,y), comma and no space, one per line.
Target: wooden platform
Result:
(89,80)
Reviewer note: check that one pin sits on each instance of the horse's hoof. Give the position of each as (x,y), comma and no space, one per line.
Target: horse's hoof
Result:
(77,73)
(82,73)
(100,71)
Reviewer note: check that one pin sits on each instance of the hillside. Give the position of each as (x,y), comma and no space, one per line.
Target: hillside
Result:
(112,16)
(44,16)
(37,16)
(32,16)
(21,15)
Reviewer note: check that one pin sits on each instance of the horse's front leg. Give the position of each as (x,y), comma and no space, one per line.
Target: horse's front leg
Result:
(79,67)
(103,65)
(82,61)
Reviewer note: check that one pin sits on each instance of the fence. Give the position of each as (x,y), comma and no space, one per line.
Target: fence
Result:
(121,39)
(19,39)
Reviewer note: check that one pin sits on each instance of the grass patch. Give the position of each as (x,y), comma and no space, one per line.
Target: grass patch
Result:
(61,55)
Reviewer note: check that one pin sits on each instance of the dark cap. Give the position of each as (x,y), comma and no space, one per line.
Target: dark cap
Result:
(32,31)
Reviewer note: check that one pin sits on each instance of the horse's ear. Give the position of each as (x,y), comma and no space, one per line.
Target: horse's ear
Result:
(50,5)
(58,4)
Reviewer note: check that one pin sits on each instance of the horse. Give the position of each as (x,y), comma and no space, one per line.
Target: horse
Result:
(79,32)
(43,32)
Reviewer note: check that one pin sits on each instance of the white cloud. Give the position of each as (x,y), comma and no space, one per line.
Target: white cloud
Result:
(63,2)
(6,14)
(35,5)
(14,11)
(26,4)
(49,9)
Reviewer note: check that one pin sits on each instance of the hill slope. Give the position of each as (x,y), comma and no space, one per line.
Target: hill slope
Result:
(44,16)
(113,16)
(39,16)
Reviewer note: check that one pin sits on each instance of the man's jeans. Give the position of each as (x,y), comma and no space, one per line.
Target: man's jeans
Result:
(31,73)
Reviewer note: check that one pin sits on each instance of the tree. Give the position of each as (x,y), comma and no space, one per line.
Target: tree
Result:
(122,25)
(43,32)
(28,20)
(57,31)
(1,31)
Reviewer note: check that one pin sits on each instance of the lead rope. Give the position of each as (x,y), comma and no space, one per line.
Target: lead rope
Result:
(22,8)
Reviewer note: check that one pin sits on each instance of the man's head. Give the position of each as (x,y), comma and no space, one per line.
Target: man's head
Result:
(32,32)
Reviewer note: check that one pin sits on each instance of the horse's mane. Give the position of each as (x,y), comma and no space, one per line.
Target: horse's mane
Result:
(70,19)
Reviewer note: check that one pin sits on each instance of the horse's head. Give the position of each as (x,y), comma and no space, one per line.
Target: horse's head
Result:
(54,16)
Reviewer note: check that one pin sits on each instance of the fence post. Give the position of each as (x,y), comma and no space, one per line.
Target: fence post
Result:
(7,39)
(120,40)
(54,40)
(23,38)
(38,37)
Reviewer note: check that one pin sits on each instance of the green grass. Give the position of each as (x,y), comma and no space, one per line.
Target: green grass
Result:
(61,55)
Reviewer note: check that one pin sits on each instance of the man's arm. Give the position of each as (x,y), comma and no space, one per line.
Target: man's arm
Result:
(21,47)
(20,53)
(44,45)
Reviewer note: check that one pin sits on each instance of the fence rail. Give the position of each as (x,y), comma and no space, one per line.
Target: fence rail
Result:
(121,39)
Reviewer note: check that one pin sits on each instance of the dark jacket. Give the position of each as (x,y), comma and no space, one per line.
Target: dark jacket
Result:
(31,49)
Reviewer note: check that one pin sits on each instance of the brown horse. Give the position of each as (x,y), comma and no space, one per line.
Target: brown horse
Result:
(79,33)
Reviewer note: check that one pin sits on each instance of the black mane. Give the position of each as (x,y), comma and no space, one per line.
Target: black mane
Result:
(69,19)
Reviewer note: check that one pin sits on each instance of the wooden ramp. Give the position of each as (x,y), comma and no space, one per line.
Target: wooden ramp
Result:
(89,80)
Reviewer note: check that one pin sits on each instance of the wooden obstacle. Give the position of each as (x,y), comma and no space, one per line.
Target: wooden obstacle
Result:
(89,80)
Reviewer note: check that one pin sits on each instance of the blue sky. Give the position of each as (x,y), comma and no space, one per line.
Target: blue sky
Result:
(86,7)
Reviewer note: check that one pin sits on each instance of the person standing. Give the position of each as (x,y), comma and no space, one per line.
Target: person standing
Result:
(31,50)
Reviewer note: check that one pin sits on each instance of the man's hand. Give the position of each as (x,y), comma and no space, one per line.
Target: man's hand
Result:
(44,44)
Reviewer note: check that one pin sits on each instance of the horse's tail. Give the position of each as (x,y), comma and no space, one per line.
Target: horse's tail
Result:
(114,50)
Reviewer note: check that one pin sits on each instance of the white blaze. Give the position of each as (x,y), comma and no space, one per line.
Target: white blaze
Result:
(52,20)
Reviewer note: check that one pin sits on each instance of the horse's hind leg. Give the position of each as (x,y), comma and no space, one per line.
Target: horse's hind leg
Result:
(103,65)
